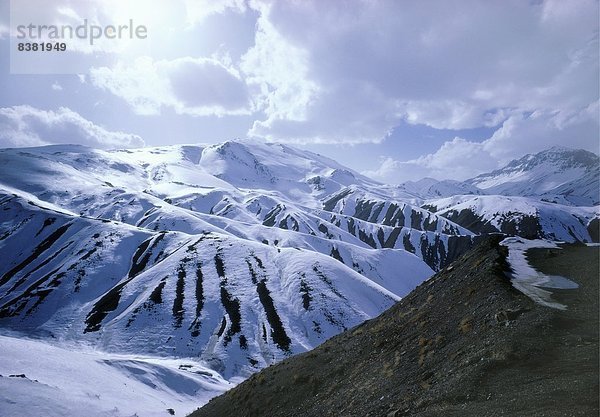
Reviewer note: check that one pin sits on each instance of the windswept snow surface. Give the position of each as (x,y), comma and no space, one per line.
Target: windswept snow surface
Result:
(530,281)
(38,379)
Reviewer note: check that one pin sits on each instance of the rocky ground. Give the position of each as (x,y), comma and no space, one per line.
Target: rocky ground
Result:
(464,343)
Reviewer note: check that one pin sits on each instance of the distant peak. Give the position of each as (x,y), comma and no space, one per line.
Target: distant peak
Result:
(556,155)
(559,149)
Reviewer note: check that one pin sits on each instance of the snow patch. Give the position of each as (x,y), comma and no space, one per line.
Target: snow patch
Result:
(530,281)
(77,381)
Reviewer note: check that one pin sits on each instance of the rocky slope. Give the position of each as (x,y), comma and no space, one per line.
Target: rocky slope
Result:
(464,343)
(520,216)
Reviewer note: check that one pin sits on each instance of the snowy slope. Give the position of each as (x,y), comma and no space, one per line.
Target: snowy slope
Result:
(174,189)
(560,175)
(521,216)
(79,381)
(224,252)
(237,304)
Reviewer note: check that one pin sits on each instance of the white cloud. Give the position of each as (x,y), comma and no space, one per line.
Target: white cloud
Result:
(358,72)
(519,134)
(198,10)
(28,126)
(324,72)
(457,159)
(391,171)
(56,86)
(277,72)
(193,86)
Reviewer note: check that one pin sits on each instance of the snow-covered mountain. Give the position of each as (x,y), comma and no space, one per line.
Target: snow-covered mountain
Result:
(553,195)
(237,254)
(521,216)
(559,175)
(427,188)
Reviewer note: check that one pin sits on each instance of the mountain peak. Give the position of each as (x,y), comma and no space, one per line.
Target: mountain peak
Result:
(561,156)
(559,174)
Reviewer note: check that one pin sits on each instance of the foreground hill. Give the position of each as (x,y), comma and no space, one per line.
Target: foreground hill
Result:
(464,343)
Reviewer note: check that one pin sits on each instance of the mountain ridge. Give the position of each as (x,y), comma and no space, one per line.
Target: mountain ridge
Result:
(237,254)
(464,343)
(558,174)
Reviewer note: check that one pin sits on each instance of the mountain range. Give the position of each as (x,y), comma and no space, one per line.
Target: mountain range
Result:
(242,254)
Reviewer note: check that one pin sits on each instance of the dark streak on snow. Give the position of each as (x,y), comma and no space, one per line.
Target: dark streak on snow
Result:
(37,252)
(156,295)
(195,327)
(305,290)
(231,305)
(40,265)
(110,301)
(179,296)
(327,281)
(278,333)
(49,221)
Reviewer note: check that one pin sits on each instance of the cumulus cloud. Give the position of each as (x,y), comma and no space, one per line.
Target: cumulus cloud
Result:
(194,86)
(519,134)
(277,74)
(358,72)
(198,10)
(530,68)
(457,159)
(323,72)
(28,126)
(541,129)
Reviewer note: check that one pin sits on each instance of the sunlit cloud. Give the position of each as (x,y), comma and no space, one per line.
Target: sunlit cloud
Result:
(193,86)
(198,10)
(29,126)
(458,159)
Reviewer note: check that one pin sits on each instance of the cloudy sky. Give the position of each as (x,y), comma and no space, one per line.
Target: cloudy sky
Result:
(395,89)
